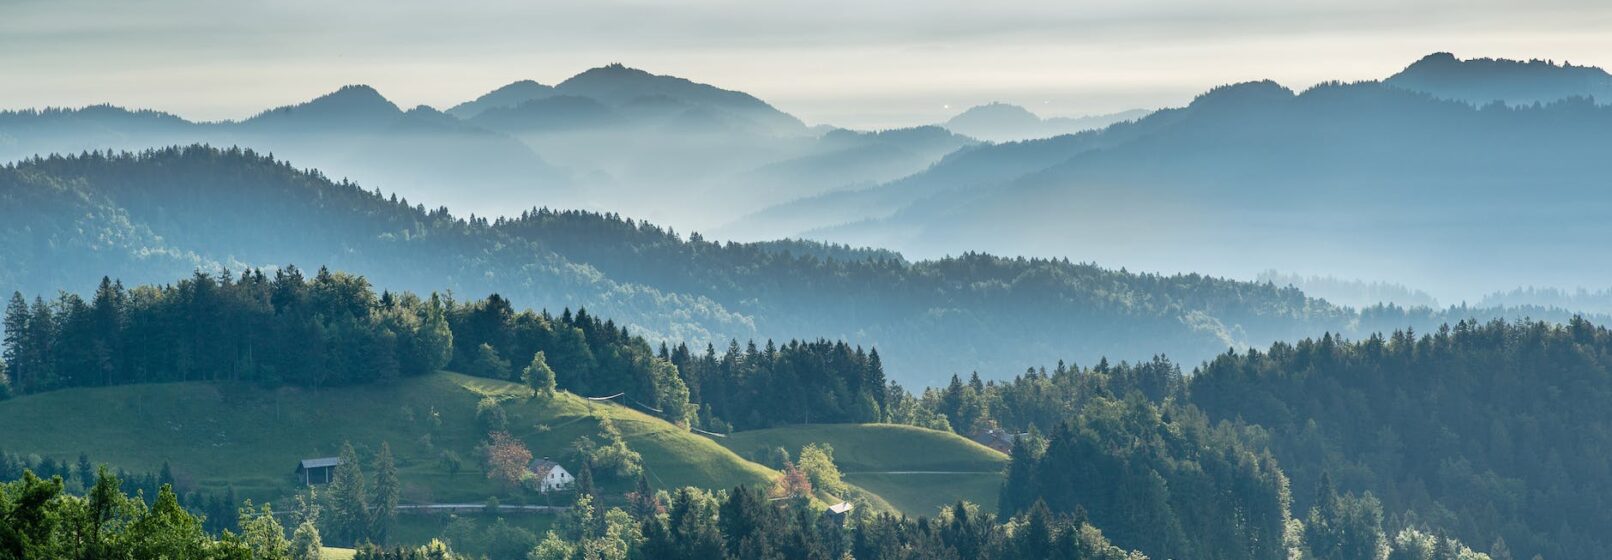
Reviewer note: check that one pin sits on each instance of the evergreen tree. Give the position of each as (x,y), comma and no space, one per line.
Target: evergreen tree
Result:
(585,487)
(388,489)
(489,364)
(85,471)
(15,350)
(166,475)
(349,516)
(1344,527)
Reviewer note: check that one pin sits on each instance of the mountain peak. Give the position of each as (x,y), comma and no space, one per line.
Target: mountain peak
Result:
(1436,59)
(350,103)
(617,73)
(355,95)
(1485,80)
(1243,93)
(618,85)
(617,67)
(509,95)
(996,111)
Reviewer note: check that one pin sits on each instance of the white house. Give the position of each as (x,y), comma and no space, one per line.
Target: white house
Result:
(549,475)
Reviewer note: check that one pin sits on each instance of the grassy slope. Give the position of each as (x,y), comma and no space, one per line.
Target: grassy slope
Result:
(251,438)
(866,452)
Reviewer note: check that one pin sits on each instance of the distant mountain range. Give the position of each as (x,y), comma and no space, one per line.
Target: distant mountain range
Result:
(1003,122)
(353,132)
(1449,175)
(613,138)
(66,221)
(1460,196)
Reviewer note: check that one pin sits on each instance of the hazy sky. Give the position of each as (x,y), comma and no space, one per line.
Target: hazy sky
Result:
(863,63)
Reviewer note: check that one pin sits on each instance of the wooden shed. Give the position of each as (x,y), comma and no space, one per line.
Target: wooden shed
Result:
(317,471)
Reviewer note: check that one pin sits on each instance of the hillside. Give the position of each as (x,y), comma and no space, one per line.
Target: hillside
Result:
(215,436)
(915,469)
(1490,431)
(162,215)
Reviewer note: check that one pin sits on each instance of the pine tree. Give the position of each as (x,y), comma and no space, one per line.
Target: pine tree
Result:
(15,350)
(86,471)
(642,502)
(489,364)
(388,489)
(166,477)
(585,485)
(349,504)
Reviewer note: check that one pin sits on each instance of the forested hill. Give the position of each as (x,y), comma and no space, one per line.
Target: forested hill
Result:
(147,218)
(1490,431)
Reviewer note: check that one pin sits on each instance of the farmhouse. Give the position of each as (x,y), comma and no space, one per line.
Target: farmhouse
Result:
(549,475)
(996,438)
(317,471)
(840,510)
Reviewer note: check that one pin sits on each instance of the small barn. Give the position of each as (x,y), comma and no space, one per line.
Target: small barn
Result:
(996,438)
(550,475)
(317,471)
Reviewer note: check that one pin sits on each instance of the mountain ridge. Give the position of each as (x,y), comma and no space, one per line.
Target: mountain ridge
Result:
(1516,82)
(1006,122)
(185,208)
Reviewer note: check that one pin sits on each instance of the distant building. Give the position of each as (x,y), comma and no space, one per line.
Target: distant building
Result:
(840,510)
(317,471)
(550,475)
(996,438)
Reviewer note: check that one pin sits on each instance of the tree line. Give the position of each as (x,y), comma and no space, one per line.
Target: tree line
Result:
(40,518)
(216,509)
(282,327)
(1185,466)
(822,381)
(1493,431)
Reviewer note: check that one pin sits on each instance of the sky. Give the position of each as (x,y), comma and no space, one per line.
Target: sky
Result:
(855,63)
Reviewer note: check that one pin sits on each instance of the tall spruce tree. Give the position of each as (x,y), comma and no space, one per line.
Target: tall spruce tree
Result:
(388,489)
(348,518)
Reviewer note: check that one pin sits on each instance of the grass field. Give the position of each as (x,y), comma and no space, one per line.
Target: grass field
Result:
(215,436)
(916,470)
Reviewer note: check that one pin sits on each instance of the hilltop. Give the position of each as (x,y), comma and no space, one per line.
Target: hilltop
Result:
(217,435)
(917,470)
(1481,81)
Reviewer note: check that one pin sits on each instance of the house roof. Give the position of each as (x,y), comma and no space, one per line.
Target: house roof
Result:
(541,467)
(988,437)
(840,508)
(319,463)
